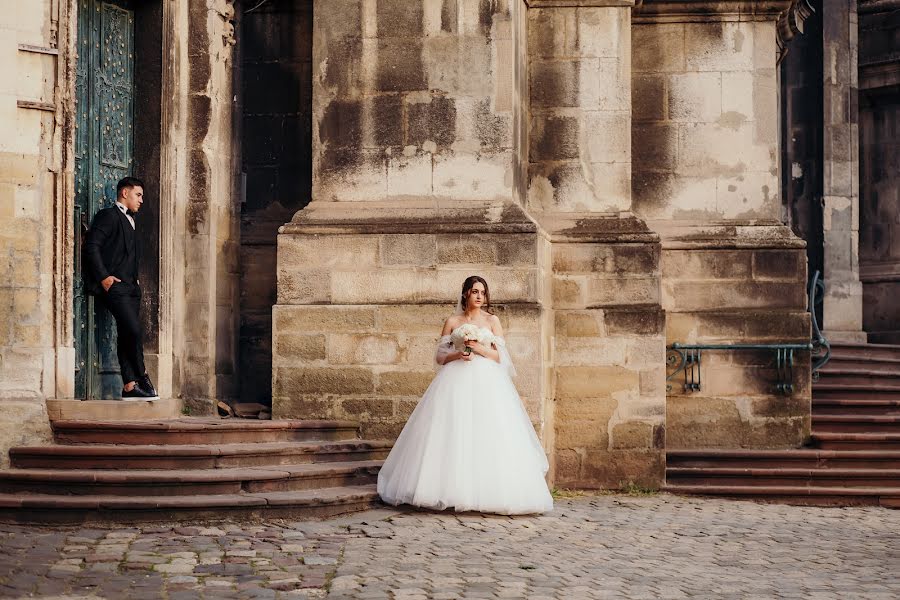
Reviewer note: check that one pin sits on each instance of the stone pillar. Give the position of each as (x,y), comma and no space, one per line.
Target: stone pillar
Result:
(608,344)
(36,347)
(206,217)
(842,308)
(705,163)
(413,175)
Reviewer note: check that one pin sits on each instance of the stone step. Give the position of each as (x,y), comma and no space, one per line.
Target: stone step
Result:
(200,431)
(302,504)
(865,352)
(800,495)
(792,458)
(837,406)
(874,369)
(872,391)
(198,456)
(199,482)
(784,476)
(855,424)
(113,410)
(888,442)
(858,378)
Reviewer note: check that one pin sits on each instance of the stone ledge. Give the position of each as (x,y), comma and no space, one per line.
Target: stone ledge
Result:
(579,3)
(594,227)
(689,11)
(410,216)
(726,234)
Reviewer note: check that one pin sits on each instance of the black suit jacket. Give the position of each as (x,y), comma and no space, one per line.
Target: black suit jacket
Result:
(107,248)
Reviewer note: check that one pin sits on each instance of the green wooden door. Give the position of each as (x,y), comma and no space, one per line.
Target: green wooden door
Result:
(104,127)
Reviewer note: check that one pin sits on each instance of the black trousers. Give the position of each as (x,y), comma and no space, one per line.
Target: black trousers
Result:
(123,300)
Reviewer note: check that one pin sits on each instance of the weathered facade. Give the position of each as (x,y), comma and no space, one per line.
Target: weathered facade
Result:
(323,175)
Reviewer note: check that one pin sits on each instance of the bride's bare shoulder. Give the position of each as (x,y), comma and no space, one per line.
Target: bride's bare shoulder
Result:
(450,324)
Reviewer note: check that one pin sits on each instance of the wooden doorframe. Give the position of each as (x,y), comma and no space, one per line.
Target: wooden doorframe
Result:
(59,378)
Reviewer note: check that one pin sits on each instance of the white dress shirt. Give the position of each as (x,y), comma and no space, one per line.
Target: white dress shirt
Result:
(124,210)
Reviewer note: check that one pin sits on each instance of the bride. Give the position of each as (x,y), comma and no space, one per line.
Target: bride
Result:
(469,444)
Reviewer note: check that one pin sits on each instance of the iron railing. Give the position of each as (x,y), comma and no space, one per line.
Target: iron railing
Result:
(685,358)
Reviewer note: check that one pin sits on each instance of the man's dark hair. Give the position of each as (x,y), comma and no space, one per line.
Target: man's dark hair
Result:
(126,183)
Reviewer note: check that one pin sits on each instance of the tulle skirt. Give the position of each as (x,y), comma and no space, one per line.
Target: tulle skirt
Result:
(468,445)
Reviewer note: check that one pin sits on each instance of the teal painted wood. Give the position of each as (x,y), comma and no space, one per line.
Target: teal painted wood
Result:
(104,128)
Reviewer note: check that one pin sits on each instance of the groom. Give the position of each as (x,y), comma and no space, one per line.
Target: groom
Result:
(112,254)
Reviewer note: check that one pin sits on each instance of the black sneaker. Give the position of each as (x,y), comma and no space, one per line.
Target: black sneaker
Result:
(147,385)
(138,393)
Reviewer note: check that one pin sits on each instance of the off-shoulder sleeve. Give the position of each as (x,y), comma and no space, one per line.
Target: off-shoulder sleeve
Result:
(505,359)
(444,349)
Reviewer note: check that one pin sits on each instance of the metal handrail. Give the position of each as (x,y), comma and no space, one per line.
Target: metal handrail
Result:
(685,358)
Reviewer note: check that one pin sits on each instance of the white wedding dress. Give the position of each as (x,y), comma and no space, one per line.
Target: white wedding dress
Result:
(469,444)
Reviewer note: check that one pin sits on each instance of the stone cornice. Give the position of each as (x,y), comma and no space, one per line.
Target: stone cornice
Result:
(410,216)
(874,272)
(675,11)
(577,3)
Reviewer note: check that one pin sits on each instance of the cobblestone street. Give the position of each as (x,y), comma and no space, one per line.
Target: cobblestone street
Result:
(589,547)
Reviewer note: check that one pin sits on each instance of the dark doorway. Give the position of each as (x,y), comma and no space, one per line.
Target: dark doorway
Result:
(275,49)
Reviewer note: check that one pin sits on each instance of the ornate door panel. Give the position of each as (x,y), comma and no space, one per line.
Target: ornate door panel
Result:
(103,153)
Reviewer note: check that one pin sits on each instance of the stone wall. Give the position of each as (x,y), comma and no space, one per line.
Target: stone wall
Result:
(579,108)
(705,113)
(732,295)
(35,356)
(413,98)
(354,335)
(705,151)
(609,357)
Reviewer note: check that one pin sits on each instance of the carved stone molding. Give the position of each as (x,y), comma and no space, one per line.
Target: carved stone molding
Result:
(689,11)
(577,3)
(790,23)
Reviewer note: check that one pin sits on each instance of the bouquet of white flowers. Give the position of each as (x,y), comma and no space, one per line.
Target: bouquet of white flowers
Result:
(462,335)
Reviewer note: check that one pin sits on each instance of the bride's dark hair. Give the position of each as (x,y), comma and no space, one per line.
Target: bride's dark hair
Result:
(468,284)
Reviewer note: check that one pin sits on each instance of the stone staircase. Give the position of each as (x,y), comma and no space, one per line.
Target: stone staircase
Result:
(191,468)
(853,456)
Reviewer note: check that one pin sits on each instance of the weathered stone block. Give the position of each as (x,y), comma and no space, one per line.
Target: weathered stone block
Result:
(404,249)
(695,97)
(658,47)
(414,319)
(618,469)
(569,292)
(590,351)
(719,46)
(400,67)
(555,84)
(342,251)
(466,249)
(346,349)
(290,346)
(650,321)
(622,292)
(553,138)
(594,382)
(706,264)
(551,32)
(779,264)
(322,380)
(365,408)
(649,98)
(324,319)
(579,323)
(304,286)
(633,434)
(721,295)
(404,383)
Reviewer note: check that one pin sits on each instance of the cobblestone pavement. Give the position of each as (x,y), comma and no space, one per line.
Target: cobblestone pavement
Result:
(589,547)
